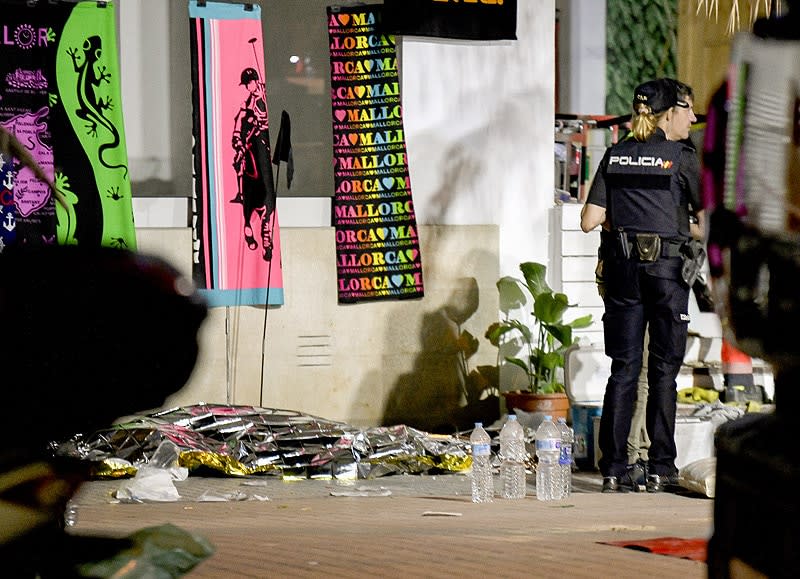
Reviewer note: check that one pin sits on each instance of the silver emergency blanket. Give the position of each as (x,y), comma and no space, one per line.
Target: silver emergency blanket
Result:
(249,440)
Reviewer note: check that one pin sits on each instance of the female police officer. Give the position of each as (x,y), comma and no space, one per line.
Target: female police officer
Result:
(641,195)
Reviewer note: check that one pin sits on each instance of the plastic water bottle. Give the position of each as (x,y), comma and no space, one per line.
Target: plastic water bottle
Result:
(548,450)
(71,514)
(512,452)
(565,458)
(482,483)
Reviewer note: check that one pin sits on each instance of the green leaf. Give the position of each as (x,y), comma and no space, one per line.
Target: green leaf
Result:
(549,308)
(550,361)
(498,329)
(518,362)
(582,322)
(535,275)
(495,331)
(550,388)
(560,332)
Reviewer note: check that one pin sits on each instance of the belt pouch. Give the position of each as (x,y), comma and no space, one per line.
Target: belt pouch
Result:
(648,245)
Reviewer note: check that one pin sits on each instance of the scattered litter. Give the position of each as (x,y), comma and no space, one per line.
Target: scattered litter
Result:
(255,483)
(363,492)
(211,498)
(440,514)
(149,484)
(260,497)
(154,481)
(207,497)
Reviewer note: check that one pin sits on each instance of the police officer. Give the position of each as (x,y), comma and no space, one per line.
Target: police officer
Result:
(641,196)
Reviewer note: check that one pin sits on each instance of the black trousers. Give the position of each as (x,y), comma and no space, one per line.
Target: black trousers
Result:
(637,295)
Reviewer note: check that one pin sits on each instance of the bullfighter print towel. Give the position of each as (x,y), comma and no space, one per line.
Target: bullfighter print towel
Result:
(235,225)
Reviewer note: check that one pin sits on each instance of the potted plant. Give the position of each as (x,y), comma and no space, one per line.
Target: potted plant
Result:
(540,332)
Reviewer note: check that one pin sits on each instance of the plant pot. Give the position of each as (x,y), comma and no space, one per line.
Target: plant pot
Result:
(556,405)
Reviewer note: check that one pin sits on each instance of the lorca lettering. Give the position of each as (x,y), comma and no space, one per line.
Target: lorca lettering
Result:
(647,161)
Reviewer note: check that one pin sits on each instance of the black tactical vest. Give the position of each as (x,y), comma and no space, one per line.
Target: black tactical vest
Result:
(643,190)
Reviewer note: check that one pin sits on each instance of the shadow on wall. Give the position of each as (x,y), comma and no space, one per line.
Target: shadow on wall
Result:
(443,394)
(479,158)
(461,170)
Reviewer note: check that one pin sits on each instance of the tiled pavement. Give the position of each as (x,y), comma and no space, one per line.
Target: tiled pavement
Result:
(408,526)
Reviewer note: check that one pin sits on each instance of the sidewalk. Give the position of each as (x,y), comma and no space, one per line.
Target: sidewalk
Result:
(408,526)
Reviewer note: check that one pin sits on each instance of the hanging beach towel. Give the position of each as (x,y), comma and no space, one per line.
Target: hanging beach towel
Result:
(60,91)
(235,226)
(377,246)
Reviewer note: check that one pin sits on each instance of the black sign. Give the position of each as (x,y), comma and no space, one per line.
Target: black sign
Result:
(463,19)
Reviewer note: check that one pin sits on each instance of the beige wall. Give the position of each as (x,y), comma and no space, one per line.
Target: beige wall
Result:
(393,362)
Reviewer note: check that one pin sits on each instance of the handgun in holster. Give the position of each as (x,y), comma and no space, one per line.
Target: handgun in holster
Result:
(623,247)
(702,293)
(694,257)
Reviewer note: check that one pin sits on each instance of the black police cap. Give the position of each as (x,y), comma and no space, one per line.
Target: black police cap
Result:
(660,94)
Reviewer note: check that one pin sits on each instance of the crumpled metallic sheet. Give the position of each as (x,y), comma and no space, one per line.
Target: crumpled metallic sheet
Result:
(248,440)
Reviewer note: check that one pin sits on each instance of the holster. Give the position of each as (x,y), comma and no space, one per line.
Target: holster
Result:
(705,301)
(694,257)
(623,246)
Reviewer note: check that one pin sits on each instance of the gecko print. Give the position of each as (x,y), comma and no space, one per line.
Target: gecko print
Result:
(59,95)
(236,258)
(88,129)
(377,243)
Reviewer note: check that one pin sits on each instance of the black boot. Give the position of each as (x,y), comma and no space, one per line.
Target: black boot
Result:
(632,480)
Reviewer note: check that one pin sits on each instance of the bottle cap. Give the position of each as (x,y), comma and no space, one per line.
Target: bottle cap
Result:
(548,417)
(511,417)
(479,425)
